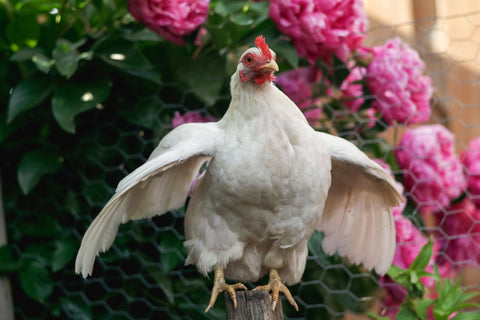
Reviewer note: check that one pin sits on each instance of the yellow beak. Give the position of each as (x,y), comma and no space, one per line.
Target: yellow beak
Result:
(270,66)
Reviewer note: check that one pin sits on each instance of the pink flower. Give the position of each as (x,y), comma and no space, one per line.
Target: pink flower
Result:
(297,85)
(432,173)
(353,92)
(459,234)
(409,243)
(394,296)
(471,161)
(170,18)
(190,116)
(320,28)
(395,78)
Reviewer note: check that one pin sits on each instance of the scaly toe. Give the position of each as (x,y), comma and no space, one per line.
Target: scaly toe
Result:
(276,285)
(223,287)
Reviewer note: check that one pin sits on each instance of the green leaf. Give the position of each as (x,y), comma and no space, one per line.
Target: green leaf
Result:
(399,275)
(423,258)
(466,316)
(23,30)
(405,313)
(67,57)
(205,76)
(421,306)
(451,298)
(145,112)
(6,129)
(65,250)
(170,256)
(34,165)
(340,71)
(127,57)
(315,244)
(36,55)
(36,280)
(141,35)
(39,226)
(75,97)
(8,263)
(26,54)
(286,50)
(71,203)
(374,316)
(41,250)
(28,94)
(76,310)
(416,288)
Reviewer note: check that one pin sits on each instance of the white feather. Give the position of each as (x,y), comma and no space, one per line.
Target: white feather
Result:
(357,218)
(159,185)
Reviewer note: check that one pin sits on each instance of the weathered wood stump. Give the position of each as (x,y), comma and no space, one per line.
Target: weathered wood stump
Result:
(253,305)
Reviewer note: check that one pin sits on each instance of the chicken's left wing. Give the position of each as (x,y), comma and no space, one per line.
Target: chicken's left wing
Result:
(357,218)
(159,185)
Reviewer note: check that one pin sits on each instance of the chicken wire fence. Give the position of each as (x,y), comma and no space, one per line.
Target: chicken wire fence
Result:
(142,276)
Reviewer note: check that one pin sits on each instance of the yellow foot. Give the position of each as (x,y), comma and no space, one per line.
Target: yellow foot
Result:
(220,286)
(276,285)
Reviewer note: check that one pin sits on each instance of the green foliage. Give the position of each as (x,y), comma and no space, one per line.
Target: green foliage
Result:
(74,97)
(411,278)
(34,164)
(77,79)
(449,304)
(27,94)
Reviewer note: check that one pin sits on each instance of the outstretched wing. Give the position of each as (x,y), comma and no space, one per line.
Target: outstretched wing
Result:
(159,185)
(357,218)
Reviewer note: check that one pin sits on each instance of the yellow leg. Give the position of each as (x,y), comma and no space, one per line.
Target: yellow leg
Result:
(276,285)
(220,286)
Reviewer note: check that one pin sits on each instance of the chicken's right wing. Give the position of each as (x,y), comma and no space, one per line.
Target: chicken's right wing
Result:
(159,185)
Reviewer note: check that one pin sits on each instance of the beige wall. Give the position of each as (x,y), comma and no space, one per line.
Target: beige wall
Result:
(447,35)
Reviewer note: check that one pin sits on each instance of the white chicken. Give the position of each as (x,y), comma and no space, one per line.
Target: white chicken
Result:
(271,181)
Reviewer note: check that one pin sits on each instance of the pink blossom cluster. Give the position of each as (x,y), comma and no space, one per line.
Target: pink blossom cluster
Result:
(471,163)
(432,172)
(395,77)
(352,92)
(172,19)
(320,28)
(297,85)
(459,234)
(190,116)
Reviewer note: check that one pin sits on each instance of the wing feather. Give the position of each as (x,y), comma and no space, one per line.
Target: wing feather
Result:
(159,185)
(357,218)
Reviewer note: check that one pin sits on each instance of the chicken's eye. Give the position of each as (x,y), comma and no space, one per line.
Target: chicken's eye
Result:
(248,60)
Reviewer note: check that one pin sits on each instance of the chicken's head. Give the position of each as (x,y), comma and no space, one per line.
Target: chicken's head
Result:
(258,63)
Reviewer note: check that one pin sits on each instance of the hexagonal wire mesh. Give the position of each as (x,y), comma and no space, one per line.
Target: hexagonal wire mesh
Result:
(143,277)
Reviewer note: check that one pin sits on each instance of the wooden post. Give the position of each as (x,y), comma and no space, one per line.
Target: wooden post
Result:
(6,301)
(253,305)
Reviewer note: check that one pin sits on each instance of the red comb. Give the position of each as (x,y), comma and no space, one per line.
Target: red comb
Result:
(260,43)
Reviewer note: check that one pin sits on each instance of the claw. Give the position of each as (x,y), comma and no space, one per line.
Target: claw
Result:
(220,286)
(276,285)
